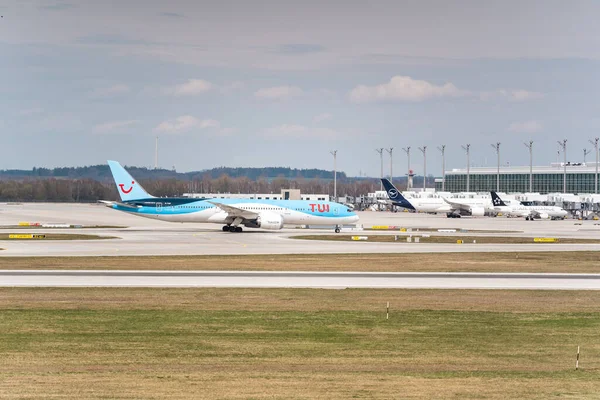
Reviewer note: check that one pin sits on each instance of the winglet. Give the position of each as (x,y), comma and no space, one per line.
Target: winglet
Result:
(497,201)
(129,189)
(395,195)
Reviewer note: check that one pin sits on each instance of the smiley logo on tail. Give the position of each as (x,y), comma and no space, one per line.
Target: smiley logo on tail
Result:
(122,186)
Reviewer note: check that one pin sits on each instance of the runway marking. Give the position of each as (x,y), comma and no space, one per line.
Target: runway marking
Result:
(264,279)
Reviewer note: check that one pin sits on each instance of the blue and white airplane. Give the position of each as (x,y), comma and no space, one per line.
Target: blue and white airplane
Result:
(252,213)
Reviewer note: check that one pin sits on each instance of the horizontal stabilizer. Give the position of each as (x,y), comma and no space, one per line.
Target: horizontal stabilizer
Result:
(110,204)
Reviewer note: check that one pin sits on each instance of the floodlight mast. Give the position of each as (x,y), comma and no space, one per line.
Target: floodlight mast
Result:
(391,151)
(496,147)
(442,149)
(424,151)
(407,151)
(595,144)
(334,154)
(380,151)
(563,146)
(467,149)
(530,147)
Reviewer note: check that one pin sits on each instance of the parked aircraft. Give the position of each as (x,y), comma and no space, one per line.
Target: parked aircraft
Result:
(529,212)
(453,208)
(252,213)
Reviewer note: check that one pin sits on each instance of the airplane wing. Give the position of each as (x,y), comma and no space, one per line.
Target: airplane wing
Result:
(108,203)
(457,206)
(235,211)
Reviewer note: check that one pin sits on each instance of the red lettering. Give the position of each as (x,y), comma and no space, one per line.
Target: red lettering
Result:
(312,207)
(323,207)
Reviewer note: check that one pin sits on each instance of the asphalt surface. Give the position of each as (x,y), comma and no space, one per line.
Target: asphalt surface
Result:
(143,236)
(329,280)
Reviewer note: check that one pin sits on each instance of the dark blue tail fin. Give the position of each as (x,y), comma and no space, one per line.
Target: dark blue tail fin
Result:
(497,201)
(395,195)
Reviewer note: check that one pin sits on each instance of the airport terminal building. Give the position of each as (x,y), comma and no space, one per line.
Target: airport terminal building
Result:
(580,178)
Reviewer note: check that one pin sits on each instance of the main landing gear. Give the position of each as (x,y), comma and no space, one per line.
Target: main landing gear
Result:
(231,228)
(337,229)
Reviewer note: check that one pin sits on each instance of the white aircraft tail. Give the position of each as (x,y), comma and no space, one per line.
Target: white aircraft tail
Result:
(128,188)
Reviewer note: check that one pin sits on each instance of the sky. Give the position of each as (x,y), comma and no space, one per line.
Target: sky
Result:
(284,83)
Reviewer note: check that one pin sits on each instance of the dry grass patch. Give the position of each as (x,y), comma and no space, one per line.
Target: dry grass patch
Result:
(575,262)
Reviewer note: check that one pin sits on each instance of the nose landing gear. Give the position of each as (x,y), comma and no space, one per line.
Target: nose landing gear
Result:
(231,228)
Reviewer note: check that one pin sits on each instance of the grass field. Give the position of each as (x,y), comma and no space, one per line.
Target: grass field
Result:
(580,262)
(61,236)
(304,344)
(468,239)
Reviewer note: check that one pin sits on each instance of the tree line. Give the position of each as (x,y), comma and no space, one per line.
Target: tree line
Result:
(89,190)
(102,173)
(93,183)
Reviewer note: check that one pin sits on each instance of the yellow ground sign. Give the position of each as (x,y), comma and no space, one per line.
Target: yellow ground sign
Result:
(459,241)
(545,240)
(26,236)
(383,227)
(23,223)
(360,238)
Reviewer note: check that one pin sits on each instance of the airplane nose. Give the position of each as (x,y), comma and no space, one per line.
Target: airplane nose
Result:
(354,218)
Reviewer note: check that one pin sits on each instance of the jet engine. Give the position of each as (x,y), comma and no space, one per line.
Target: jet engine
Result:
(477,211)
(266,220)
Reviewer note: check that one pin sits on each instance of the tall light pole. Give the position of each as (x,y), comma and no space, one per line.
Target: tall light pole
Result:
(595,144)
(530,147)
(563,146)
(467,149)
(334,154)
(442,149)
(585,153)
(424,151)
(497,148)
(407,151)
(380,151)
(156,154)
(391,153)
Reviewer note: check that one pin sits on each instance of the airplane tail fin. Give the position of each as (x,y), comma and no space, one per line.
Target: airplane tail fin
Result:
(128,188)
(497,201)
(395,195)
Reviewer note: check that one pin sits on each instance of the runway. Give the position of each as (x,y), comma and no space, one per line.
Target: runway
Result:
(327,280)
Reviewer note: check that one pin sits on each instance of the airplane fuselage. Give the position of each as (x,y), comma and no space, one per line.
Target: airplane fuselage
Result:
(292,212)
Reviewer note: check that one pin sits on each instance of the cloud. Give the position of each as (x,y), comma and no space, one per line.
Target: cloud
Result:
(526,127)
(191,88)
(111,39)
(186,123)
(291,131)
(57,7)
(31,111)
(171,15)
(111,91)
(233,87)
(114,126)
(511,94)
(523,95)
(278,92)
(299,48)
(404,88)
(322,117)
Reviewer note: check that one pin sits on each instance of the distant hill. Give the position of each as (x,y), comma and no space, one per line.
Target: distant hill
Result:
(102,173)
